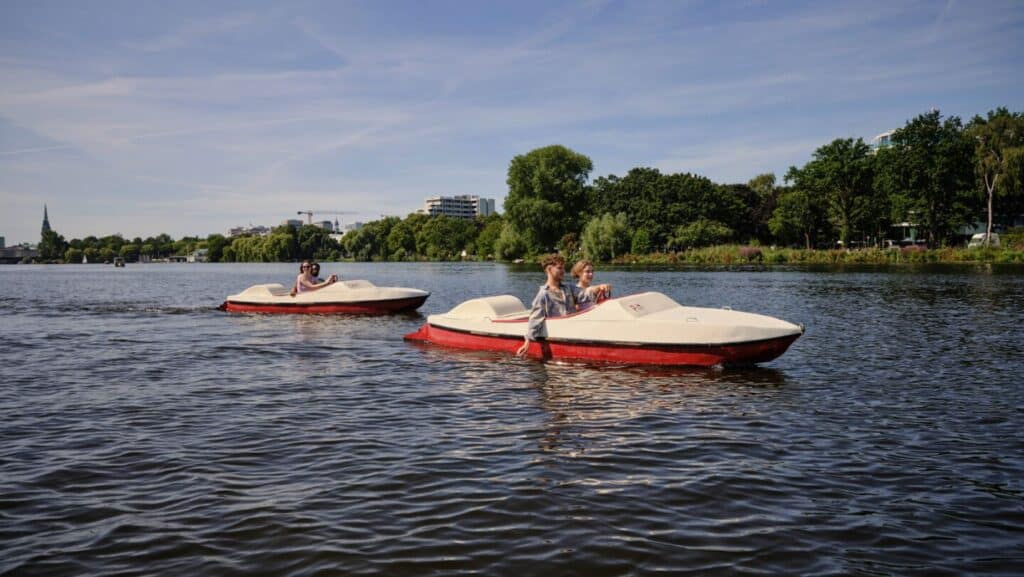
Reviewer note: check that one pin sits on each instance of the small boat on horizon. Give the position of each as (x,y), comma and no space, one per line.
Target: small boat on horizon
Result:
(349,297)
(641,329)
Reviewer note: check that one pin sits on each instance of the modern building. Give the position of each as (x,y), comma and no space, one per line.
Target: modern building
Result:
(249,230)
(462,206)
(882,140)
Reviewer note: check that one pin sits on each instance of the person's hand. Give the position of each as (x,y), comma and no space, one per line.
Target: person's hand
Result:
(522,350)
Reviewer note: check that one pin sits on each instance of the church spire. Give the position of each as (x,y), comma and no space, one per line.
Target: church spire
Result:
(46,220)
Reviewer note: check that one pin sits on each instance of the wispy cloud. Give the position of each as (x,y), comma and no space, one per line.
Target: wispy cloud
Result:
(252,112)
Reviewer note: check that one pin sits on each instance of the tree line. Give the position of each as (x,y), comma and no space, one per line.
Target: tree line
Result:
(937,175)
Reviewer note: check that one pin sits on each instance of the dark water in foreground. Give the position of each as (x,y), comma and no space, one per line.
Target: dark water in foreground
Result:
(142,432)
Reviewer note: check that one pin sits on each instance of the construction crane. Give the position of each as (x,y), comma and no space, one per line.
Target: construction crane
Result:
(309,213)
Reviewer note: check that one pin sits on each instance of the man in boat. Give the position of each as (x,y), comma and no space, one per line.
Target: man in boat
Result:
(552,300)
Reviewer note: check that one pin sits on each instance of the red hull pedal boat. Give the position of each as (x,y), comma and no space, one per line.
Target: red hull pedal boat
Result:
(646,329)
(347,297)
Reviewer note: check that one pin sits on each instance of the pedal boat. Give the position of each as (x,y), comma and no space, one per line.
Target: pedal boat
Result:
(642,329)
(348,297)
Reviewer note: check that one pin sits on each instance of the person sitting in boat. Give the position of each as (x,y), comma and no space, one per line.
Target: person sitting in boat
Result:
(588,295)
(307,282)
(552,300)
(315,271)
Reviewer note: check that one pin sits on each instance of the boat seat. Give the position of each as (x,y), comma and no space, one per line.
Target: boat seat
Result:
(503,306)
(272,289)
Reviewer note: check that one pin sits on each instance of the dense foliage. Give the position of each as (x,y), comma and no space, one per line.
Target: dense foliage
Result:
(937,177)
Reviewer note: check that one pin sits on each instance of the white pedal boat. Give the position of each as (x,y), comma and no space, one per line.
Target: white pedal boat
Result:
(647,328)
(350,296)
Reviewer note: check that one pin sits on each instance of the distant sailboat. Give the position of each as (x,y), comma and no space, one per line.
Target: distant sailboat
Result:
(85,260)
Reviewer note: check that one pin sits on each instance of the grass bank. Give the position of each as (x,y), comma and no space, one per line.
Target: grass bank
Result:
(740,254)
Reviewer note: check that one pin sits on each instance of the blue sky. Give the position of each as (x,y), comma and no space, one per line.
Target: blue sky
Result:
(142,117)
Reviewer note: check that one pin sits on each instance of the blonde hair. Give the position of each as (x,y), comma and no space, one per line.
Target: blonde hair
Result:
(577,269)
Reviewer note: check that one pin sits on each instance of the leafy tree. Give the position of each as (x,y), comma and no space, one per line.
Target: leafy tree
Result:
(761,204)
(642,195)
(606,237)
(215,245)
(52,246)
(641,243)
(73,255)
(488,235)
(401,241)
(130,252)
(444,238)
(510,244)
(799,215)
(92,254)
(107,254)
(569,246)
(700,233)
(313,242)
(998,155)
(547,194)
(842,172)
(277,248)
(930,174)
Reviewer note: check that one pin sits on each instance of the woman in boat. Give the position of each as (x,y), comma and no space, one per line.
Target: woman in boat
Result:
(552,300)
(307,282)
(588,295)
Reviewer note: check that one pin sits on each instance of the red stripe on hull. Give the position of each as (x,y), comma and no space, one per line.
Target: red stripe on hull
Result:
(360,308)
(639,354)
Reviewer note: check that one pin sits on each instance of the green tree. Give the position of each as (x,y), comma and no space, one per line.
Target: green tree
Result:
(215,245)
(998,155)
(73,255)
(313,242)
(761,204)
(488,235)
(930,174)
(130,252)
(401,241)
(52,246)
(606,237)
(842,172)
(547,194)
(278,247)
(444,238)
(700,233)
(641,243)
(799,215)
(510,244)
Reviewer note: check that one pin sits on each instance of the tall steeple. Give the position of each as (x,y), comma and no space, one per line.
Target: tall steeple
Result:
(46,221)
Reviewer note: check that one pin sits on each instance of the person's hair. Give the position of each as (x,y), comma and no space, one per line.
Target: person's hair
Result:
(551,259)
(577,269)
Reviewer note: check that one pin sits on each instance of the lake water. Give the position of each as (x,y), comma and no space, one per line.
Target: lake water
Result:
(143,432)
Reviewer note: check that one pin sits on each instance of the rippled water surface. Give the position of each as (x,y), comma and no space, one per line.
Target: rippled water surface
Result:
(144,432)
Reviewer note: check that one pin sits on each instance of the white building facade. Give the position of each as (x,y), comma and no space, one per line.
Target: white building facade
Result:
(462,206)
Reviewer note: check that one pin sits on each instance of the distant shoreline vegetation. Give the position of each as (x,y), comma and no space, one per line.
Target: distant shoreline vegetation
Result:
(934,183)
